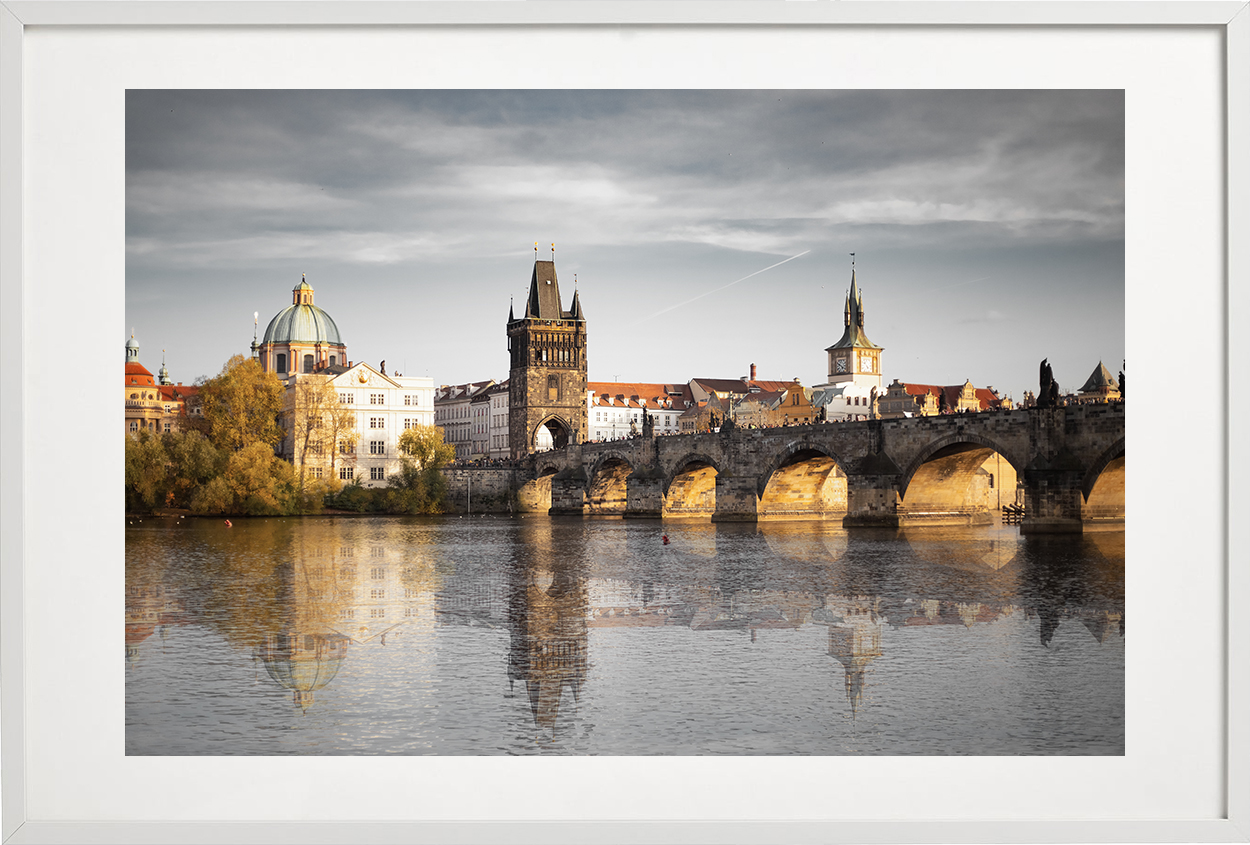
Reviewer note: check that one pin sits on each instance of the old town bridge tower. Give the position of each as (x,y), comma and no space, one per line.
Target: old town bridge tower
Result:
(547,376)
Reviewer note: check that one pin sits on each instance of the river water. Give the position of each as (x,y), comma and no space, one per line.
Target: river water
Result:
(546,635)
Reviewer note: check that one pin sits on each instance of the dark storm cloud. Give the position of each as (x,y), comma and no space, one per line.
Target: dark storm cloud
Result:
(262,169)
(442,192)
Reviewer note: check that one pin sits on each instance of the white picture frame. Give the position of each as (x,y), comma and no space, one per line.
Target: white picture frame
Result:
(25,439)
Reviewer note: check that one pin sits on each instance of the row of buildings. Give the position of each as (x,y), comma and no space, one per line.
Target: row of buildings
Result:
(547,400)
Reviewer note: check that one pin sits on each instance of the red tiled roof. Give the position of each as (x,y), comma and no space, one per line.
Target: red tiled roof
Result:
(177,392)
(136,373)
(634,393)
(772,386)
(985,397)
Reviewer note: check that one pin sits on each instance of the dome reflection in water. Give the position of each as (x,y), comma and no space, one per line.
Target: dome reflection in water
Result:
(541,635)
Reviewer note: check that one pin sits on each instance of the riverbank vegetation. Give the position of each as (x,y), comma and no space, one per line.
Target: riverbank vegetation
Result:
(225,462)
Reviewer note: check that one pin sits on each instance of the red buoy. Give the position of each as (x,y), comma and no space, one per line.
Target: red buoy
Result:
(666,539)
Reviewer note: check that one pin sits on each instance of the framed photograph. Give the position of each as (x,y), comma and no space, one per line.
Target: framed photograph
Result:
(1008,178)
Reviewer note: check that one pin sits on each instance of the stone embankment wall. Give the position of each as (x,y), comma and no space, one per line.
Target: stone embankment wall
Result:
(494,490)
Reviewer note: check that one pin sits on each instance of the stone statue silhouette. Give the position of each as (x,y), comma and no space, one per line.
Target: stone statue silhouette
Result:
(1048,394)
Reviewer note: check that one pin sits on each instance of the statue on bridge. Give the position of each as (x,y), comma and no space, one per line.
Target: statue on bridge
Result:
(1048,395)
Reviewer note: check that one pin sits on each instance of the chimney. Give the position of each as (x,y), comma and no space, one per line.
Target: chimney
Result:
(752,372)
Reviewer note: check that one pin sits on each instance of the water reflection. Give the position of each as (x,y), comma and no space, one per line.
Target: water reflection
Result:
(373,609)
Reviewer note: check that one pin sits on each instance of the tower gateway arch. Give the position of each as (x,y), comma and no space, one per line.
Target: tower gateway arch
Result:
(547,374)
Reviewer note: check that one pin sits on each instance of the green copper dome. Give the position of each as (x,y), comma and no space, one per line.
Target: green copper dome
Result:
(302,323)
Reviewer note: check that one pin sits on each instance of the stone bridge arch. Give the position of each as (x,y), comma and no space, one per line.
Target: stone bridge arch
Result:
(1102,489)
(802,480)
(607,483)
(948,480)
(534,496)
(690,486)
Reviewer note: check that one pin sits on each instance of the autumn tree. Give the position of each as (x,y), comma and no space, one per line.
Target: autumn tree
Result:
(147,467)
(193,462)
(261,482)
(241,405)
(419,486)
(423,446)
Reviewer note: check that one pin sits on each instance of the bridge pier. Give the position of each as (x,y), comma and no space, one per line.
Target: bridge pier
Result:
(1052,502)
(644,495)
(872,501)
(736,499)
(568,493)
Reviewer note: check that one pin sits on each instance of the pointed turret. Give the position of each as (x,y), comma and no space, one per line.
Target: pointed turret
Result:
(853,319)
(576,311)
(132,349)
(544,298)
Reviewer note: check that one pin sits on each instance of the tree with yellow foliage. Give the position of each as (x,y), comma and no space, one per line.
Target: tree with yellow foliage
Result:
(241,405)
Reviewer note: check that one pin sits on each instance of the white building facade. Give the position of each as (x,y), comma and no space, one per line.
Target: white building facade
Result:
(614,409)
(382,407)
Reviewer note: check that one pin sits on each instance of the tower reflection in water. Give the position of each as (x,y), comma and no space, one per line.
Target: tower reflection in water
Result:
(547,615)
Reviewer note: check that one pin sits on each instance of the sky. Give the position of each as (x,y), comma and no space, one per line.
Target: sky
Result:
(707,230)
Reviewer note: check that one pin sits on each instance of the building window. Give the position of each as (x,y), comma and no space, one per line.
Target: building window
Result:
(347,613)
(281,362)
(377,613)
(409,423)
(553,388)
(347,473)
(377,399)
(377,447)
(134,425)
(377,573)
(347,398)
(377,422)
(410,611)
(332,360)
(169,427)
(308,363)
(346,447)
(377,473)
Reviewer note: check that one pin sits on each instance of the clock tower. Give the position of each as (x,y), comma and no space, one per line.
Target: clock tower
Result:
(855,358)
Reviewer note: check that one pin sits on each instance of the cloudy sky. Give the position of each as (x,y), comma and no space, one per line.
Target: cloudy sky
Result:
(988,227)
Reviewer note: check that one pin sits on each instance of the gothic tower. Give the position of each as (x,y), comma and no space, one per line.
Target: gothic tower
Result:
(547,376)
(854,357)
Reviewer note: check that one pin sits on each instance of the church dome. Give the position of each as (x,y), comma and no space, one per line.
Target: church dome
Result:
(302,322)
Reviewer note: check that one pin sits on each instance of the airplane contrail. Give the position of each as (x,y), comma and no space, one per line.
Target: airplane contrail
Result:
(731,284)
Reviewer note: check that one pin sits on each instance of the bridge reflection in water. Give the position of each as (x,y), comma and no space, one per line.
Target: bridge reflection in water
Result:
(570,636)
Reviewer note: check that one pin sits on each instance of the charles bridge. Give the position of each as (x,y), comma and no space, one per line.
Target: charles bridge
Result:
(1064,466)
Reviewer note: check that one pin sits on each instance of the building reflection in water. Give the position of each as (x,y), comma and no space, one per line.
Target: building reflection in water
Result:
(299,601)
(312,597)
(152,606)
(854,638)
(547,614)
